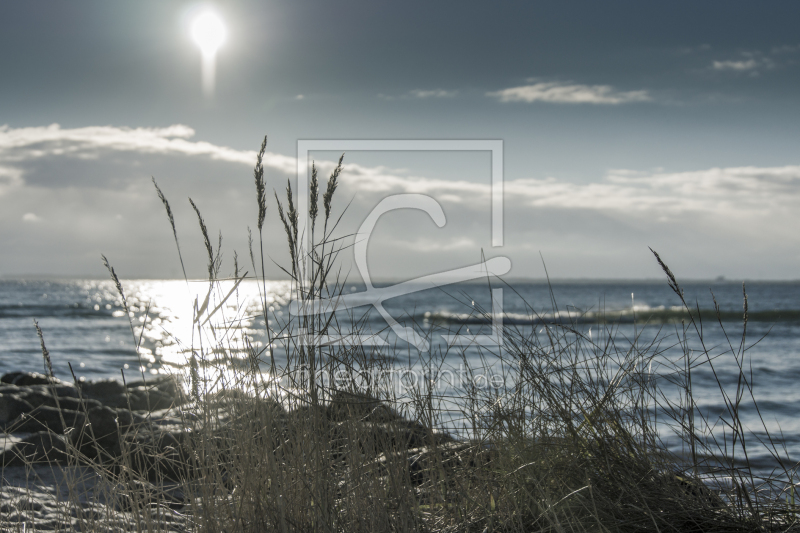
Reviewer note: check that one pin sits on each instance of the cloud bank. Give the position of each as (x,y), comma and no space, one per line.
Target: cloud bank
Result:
(20,148)
(67,195)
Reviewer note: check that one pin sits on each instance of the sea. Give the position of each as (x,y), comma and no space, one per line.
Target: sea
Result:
(91,332)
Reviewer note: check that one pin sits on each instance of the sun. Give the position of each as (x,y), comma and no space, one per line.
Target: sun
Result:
(208,31)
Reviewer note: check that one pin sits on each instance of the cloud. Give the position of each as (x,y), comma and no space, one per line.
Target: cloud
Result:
(724,219)
(58,199)
(714,192)
(69,194)
(561,93)
(738,66)
(437,93)
(750,63)
(23,150)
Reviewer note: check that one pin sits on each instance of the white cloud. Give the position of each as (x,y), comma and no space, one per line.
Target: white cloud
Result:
(733,191)
(716,192)
(618,213)
(751,63)
(25,145)
(561,93)
(436,93)
(726,219)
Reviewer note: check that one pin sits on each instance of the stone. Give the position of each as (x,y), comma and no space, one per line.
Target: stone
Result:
(62,390)
(102,388)
(167,384)
(144,399)
(10,377)
(12,406)
(41,397)
(47,418)
(41,447)
(104,421)
(23,379)
(346,405)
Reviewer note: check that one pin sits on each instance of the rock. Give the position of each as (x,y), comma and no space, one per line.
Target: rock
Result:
(41,397)
(101,437)
(10,377)
(347,406)
(101,389)
(138,398)
(62,390)
(40,447)
(47,418)
(143,399)
(11,406)
(23,379)
(167,384)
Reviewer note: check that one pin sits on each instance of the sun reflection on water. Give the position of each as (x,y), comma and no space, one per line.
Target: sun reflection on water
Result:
(172,319)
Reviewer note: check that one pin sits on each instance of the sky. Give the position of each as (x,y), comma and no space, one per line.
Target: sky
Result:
(625,125)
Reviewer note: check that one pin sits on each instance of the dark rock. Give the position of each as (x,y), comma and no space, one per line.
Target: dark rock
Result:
(40,447)
(103,421)
(119,401)
(144,399)
(47,418)
(102,389)
(11,406)
(10,377)
(62,390)
(7,388)
(348,406)
(37,397)
(74,404)
(112,394)
(24,379)
(101,436)
(41,397)
(167,384)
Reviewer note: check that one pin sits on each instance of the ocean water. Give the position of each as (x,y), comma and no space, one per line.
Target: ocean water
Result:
(85,326)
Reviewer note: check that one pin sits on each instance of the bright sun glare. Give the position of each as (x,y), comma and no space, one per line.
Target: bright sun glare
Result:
(208,31)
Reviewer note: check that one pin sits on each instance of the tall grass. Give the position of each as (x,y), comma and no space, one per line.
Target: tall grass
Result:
(571,442)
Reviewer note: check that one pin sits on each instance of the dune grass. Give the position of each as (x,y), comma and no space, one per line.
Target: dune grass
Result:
(569,443)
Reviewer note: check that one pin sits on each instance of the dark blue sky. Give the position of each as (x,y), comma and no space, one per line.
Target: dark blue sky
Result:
(585,95)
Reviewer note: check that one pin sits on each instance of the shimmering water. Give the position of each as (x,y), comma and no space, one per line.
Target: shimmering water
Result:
(84,324)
